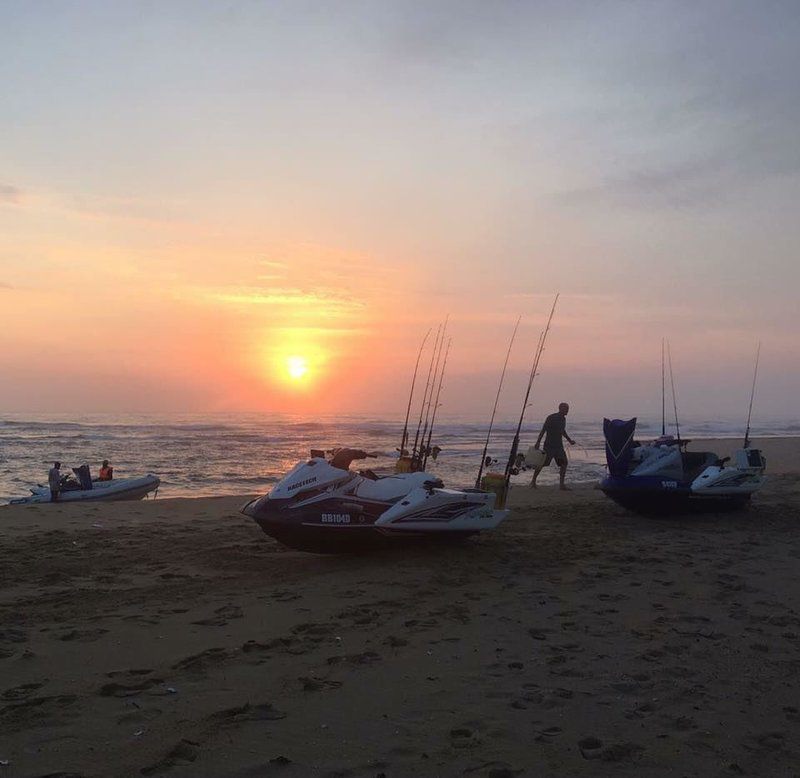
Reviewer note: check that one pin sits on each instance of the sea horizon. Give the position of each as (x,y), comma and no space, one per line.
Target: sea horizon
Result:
(222,453)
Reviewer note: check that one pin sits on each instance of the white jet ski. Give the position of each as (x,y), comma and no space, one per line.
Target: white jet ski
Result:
(324,507)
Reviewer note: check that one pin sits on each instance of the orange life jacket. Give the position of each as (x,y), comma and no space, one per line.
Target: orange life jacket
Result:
(106,473)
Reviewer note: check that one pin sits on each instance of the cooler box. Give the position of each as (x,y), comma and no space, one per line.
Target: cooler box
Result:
(403,465)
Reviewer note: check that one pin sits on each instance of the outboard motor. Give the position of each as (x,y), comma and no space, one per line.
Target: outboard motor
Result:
(84,476)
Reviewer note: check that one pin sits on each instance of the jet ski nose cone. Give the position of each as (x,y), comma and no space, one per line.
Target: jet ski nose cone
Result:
(250,508)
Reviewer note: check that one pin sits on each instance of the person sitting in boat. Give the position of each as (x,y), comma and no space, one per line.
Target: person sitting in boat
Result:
(554,432)
(106,472)
(54,481)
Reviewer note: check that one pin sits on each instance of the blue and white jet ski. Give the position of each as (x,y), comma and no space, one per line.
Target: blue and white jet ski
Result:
(663,477)
(322,506)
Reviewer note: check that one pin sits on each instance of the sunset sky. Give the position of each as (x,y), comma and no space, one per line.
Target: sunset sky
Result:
(264,205)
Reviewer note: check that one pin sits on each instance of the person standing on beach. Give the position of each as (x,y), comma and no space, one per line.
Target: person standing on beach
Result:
(54,481)
(554,431)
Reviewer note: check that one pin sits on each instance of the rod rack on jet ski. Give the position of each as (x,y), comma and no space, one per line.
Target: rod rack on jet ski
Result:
(418,458)
(752,396)
(414,448)
(427,451)
(496,400)
(404,438)
(674,399)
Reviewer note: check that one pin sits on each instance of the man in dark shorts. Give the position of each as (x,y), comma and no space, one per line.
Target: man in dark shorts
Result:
(54,481)
(554,431)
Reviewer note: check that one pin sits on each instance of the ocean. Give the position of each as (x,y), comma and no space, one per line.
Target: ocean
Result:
(204,455)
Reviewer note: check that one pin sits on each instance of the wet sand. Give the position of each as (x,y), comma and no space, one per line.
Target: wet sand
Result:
(172,637)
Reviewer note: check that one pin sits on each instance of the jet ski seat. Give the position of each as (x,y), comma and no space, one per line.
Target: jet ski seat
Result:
(393,487)
(694,462)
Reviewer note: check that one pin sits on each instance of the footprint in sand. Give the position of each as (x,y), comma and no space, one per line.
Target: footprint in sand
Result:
(139,715)
(83,635)
(464,737)
(285,595)
(34,712)
(312,684)
(247,712)
(204,660)
(62,774)
(221,616)
(593,748)
(641,711)
(252,646)
(128,690)
(11,635)
(767,742)
(419,625)
(124,673)
(314,633)
(365,658)
(22,691)
(184,752)
(494,770)
(359,616)
(395,642)
(547,735)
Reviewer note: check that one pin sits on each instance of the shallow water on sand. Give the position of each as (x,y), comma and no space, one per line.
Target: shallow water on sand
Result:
(199,455)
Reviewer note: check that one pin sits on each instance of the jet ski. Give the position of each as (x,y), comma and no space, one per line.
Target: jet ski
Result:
(81,488)
(663,477)
(323,506)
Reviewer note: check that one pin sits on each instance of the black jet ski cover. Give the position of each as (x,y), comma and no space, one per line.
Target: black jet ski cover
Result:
(619,444)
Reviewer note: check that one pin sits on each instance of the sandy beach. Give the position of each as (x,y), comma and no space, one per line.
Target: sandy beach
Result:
(172,637)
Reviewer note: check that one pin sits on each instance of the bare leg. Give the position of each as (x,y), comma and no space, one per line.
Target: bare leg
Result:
(535,476)
(562,472)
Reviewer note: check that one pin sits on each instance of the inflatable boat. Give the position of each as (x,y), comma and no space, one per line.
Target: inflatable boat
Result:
(83,489)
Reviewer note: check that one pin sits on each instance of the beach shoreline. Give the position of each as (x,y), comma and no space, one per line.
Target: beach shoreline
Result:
(172,637)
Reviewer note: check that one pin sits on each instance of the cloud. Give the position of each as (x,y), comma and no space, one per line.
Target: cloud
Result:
(10,194)
(5,285)
(682,185)
(318,302)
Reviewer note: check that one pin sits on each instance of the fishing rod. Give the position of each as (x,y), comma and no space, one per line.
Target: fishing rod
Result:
(496,399)
(404,438)
(424,396)
(421,452)
(663,395)
(674,399)
(534,370)
(752,396)
(436,405)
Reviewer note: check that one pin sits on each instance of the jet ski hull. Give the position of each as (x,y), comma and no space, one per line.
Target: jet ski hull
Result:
(335,527)
(658,497)
(321,507)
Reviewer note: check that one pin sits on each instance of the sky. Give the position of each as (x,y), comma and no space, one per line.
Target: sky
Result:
(264,206)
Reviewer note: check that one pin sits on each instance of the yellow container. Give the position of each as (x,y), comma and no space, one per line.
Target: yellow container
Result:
(496,483)
(403,465)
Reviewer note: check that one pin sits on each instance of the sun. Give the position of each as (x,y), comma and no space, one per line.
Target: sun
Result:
(296,367)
